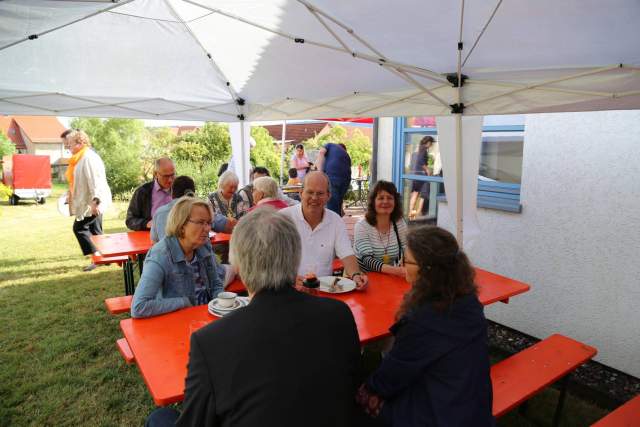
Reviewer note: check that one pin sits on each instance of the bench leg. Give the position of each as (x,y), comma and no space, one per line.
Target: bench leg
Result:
(140,263)
(522,410)
(127,268)
(563,394)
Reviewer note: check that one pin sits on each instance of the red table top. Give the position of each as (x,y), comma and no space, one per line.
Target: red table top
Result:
(136,242)
(161,344)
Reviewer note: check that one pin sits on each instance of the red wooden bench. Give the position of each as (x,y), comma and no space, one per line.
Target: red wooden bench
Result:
(100,260)
(125,350)
(521,376)
(627,415)
(117,305)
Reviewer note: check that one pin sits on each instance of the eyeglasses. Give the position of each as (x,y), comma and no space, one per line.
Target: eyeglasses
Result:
(406,261)
(202,223)
(171,175)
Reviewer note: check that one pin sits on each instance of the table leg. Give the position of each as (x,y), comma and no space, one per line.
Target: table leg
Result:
(127,267)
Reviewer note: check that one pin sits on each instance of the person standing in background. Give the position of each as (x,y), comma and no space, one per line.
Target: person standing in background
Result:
(89,194)
(299,161)
(334,160)
(150,196)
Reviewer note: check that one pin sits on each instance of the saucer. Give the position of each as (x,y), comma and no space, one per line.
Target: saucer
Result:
(215,309)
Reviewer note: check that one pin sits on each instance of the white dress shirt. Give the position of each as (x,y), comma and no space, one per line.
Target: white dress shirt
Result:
(321,245)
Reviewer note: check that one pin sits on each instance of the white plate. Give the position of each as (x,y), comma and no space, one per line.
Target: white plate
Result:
(325,284)
(215,309)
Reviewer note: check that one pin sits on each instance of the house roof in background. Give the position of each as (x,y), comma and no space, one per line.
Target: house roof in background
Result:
(10,129)
(182,130)
(41,129)
(296,132)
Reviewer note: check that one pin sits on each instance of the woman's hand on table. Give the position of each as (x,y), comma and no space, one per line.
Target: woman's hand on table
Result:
(395,270)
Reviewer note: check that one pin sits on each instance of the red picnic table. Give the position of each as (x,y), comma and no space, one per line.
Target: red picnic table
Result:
(160,344)
(133,244)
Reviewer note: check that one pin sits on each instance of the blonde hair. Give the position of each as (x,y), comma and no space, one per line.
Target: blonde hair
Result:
(78,137)
(267,186)
(181,212)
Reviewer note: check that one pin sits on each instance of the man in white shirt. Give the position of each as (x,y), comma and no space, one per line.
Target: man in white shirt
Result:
(323,232)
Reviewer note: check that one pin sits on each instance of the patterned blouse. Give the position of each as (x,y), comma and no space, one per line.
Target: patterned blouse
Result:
(236,208)
(374,249)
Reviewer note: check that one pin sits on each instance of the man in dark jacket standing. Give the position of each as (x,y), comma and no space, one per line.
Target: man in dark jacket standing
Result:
(150,196)
(288,359)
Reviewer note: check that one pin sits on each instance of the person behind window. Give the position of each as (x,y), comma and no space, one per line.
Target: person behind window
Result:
(179,270)
(437,372)
(381,236)
(419,166)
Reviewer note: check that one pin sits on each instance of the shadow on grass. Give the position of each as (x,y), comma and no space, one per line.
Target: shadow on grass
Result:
(58,351)
(26,261)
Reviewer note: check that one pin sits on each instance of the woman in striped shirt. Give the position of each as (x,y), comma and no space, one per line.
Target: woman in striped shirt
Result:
(381,236)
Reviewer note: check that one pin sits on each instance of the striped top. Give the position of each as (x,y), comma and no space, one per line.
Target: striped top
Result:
(370,246)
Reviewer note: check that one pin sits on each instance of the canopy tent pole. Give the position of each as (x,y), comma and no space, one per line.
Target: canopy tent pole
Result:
(458,126)
(282,157)
(240,150)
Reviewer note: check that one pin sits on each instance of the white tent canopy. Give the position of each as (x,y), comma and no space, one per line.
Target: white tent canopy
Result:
(230,60)
(201,59)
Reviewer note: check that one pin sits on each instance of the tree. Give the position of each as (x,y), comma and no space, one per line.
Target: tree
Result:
(190,151)
(265,153)
(159,142)
(6,146)
(119,143)
(358,145)
(214,138)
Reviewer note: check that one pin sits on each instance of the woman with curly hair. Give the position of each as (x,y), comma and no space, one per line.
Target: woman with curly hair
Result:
(437,372)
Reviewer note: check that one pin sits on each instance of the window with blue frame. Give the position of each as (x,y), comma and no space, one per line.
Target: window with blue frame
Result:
(417,168)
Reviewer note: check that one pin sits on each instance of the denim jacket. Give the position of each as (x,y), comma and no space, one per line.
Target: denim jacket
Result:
(167,280)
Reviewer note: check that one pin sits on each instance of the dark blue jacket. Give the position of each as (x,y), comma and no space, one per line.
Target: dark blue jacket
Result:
(437,373)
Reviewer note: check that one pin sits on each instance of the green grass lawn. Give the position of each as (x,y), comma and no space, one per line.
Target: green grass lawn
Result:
(58,360)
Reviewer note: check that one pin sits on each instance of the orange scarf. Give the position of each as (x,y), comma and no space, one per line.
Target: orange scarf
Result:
(73,161)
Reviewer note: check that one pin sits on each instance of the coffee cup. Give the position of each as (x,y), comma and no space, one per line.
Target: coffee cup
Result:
(227,299)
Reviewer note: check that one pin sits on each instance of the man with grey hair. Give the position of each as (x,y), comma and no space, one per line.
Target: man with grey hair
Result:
(150,196)
(287,359)
(324,234)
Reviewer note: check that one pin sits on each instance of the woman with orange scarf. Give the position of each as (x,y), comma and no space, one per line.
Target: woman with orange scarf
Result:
(89,194)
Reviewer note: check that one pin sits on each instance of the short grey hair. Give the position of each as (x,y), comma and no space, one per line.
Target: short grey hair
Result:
(267,185)
(77,136)
(181,212)
(228,177)
(158,163)
(266,248)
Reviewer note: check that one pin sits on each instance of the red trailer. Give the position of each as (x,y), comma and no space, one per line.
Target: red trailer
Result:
(29,176)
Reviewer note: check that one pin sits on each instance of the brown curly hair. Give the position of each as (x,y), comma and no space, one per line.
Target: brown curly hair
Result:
(390,188)
(445,273)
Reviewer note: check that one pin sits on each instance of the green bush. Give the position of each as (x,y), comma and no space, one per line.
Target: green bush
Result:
(204,174)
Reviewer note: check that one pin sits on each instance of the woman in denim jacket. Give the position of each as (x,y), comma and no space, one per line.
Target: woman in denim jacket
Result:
(179,270)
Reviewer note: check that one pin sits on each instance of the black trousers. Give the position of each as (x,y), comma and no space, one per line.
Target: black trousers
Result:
(89,226)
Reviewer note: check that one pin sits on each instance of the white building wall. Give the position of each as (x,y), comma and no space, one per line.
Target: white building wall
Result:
(54,151)
(577,240)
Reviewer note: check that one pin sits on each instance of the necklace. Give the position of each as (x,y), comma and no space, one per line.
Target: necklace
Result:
(386,257)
